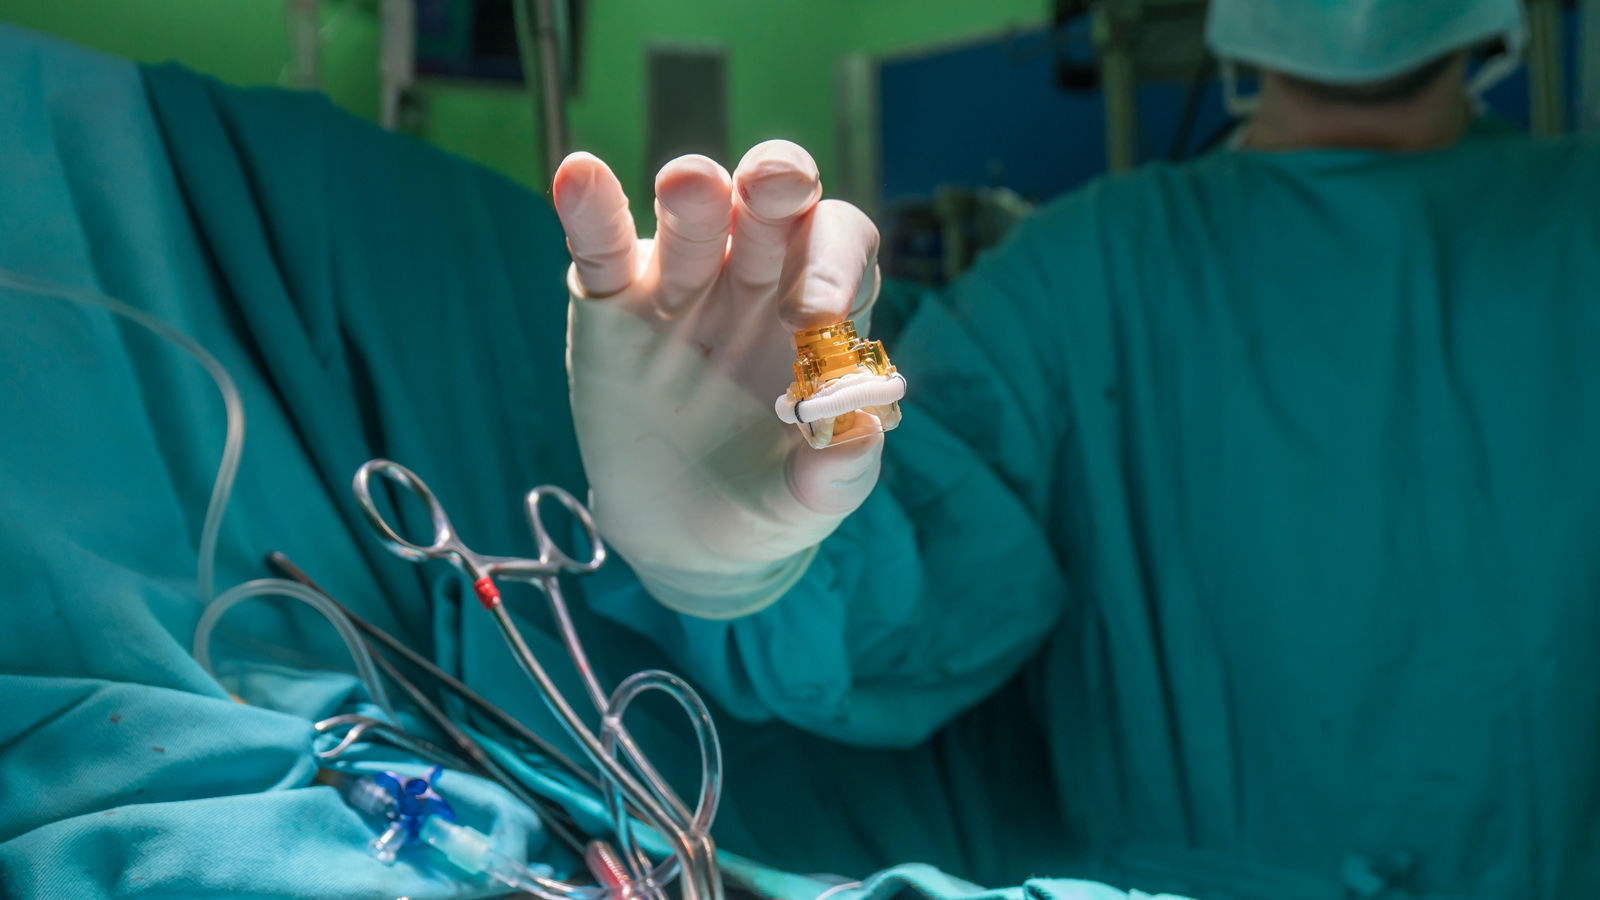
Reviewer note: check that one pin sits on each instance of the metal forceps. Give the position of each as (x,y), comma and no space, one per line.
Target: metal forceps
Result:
(479,569)
(642,790)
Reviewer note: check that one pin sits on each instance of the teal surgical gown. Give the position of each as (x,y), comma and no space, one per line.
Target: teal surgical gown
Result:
(1272,480)
(1237,542)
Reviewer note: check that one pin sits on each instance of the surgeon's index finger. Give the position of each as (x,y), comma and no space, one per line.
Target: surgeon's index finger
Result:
(694,211)
(776,184)
(831,269)
(600,231)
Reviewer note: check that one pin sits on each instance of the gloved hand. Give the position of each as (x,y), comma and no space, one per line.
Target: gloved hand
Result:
(676,351)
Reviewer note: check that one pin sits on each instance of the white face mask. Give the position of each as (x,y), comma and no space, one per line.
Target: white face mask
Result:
(1497,68)
(1237,106)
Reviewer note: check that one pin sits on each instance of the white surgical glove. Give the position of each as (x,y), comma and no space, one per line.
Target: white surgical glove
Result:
(676,351)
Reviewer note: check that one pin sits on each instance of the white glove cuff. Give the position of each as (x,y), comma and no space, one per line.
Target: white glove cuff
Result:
(717,595)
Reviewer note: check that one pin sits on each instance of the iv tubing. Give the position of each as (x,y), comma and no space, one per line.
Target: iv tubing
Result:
(233,445)
(221,488)
(472,698)
(285,588)
(647,883)
(691,841)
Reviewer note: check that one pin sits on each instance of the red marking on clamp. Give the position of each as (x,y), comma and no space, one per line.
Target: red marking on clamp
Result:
(488,594)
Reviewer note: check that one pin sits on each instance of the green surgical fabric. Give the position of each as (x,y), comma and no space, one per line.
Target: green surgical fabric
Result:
(370,296)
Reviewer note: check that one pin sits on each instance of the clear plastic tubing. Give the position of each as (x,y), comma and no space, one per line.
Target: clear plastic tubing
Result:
(282,587)
(612,732)
(221,489)
(233,444)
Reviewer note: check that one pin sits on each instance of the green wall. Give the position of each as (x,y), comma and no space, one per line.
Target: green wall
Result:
(781,56)
(240,40)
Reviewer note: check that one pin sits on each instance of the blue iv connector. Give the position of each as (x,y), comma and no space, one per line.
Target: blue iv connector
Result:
(417,814)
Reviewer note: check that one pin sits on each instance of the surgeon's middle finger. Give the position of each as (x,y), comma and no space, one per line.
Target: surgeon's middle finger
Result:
(694,212)
(774,186)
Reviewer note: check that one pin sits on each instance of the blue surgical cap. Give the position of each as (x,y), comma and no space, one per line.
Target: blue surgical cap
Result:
(1356,41)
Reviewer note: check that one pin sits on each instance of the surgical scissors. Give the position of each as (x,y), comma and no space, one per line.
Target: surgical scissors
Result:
(654,800)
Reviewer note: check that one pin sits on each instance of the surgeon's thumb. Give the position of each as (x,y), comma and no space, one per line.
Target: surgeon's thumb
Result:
(835,480)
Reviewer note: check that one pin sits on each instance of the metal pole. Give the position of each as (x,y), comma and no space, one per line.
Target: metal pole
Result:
(305,44)
(541,67)
(1546,69)
(856,114)
(1589,66)
(397,62)
(1120,83)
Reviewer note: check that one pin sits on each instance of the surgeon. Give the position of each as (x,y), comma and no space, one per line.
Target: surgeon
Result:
(1275,475)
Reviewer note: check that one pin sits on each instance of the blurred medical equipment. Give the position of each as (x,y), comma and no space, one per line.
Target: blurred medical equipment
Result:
(687,833)
(423,38)
(933,242)
(1134,41)
(845,388)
